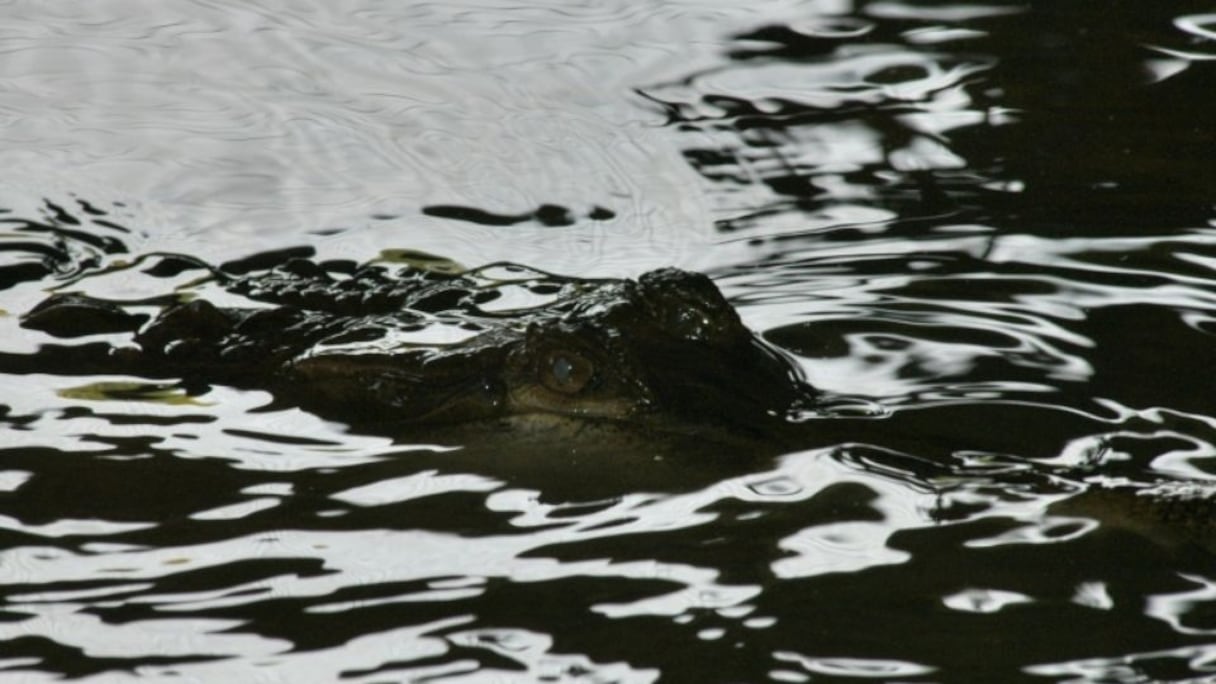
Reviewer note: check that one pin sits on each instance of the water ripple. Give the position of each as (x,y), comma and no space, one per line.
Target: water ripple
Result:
(983,229)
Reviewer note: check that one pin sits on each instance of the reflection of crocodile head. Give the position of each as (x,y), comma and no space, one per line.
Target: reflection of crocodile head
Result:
(373,347)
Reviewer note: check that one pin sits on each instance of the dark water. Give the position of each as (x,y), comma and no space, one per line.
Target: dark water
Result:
(989,228)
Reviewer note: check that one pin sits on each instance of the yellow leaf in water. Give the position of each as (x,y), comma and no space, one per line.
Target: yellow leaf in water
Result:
(422,261)
(159,393)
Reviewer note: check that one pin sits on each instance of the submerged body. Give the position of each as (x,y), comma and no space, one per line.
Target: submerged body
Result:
(611,375)
(410,347)
(1173,514)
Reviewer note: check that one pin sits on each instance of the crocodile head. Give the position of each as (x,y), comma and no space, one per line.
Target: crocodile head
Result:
(502,344)
(667,346)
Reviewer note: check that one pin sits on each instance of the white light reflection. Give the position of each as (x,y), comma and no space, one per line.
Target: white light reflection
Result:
(871,668)
(1037,528)
(1128,667)
(532,650)
(837,547)
(223,423)
(834,547)
(97,592)
(1162,69)
(935,35)
(851,545)
(430,596)
(140,638)
(69,527)
(10,480)
(453,567)
(271,660)
(954,13)
(983,600)
(1093,595)
(237,510)
(414,486)
(1173,609)
(1200,25)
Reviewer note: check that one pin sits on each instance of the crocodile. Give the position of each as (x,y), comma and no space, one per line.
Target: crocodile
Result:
(411,351)
(377,345)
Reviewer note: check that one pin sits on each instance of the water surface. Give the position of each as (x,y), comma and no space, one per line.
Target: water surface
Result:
(985,230)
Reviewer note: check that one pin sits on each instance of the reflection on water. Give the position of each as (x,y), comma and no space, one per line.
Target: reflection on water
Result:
(983,229)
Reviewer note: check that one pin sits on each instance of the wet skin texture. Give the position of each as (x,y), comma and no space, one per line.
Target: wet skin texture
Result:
(407,346)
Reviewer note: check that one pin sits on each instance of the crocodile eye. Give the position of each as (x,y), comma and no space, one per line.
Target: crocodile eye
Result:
(566,372)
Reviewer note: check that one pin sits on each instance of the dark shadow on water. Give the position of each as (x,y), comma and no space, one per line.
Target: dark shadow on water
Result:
(1105,138)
